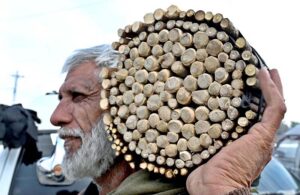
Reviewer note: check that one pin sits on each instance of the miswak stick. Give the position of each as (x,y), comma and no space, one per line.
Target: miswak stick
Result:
(188,131)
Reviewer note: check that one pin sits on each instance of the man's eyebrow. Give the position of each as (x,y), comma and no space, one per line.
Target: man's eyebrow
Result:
(84,89)
(81,86)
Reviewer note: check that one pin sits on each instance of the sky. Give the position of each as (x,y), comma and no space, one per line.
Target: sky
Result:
(37,36)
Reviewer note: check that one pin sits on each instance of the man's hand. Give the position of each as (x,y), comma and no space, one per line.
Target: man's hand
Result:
(238,164)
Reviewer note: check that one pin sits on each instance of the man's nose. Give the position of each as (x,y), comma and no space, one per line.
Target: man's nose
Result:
(62,114)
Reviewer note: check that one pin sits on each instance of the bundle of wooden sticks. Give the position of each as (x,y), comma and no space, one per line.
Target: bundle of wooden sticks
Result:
(179,92)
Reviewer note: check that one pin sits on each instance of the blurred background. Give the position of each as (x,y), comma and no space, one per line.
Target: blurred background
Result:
(37,36)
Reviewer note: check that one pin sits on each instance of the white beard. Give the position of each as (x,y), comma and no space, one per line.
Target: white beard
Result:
(93,158)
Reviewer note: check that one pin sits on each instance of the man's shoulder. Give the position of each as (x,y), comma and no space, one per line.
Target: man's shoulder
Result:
(144,182)
(92,189)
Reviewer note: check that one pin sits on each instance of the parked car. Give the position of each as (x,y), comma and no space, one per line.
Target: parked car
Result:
(275,179)
(287,150)
(18,170)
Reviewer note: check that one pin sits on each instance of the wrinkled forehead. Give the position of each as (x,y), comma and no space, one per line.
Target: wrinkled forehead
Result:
(87,69)
(85,75)
(84,83)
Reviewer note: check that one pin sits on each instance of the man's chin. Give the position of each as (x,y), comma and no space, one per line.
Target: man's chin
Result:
(69,156)
(71,166)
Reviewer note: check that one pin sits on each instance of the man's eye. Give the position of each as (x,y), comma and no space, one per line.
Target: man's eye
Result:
(77,96)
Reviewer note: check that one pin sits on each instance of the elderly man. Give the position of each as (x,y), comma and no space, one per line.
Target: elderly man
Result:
(89,153)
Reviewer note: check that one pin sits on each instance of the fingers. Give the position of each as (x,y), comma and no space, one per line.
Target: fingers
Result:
(276,79)
(268,86)
(271,87)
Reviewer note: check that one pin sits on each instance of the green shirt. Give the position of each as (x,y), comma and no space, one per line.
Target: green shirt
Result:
(143,182)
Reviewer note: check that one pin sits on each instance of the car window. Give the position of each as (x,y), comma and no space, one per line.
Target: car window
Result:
(275,178)
(288,153)
(288,148)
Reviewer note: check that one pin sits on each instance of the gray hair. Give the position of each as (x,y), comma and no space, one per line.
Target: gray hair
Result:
(102,55)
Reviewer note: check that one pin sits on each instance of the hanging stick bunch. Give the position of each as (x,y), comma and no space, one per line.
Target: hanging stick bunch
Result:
(185,86)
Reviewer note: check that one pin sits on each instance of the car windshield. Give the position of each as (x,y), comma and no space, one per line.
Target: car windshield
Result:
(276,178)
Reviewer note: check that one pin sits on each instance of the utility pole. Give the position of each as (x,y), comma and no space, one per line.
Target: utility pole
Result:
(16,76)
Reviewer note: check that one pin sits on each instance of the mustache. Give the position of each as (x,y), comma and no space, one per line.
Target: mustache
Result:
(77,132)
(69,132)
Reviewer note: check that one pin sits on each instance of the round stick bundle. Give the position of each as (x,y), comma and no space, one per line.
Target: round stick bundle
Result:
(185,86)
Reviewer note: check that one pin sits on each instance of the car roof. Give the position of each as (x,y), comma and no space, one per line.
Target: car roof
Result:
(295,131)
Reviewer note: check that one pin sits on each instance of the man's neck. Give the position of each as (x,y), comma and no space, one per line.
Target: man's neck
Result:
(114,176)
